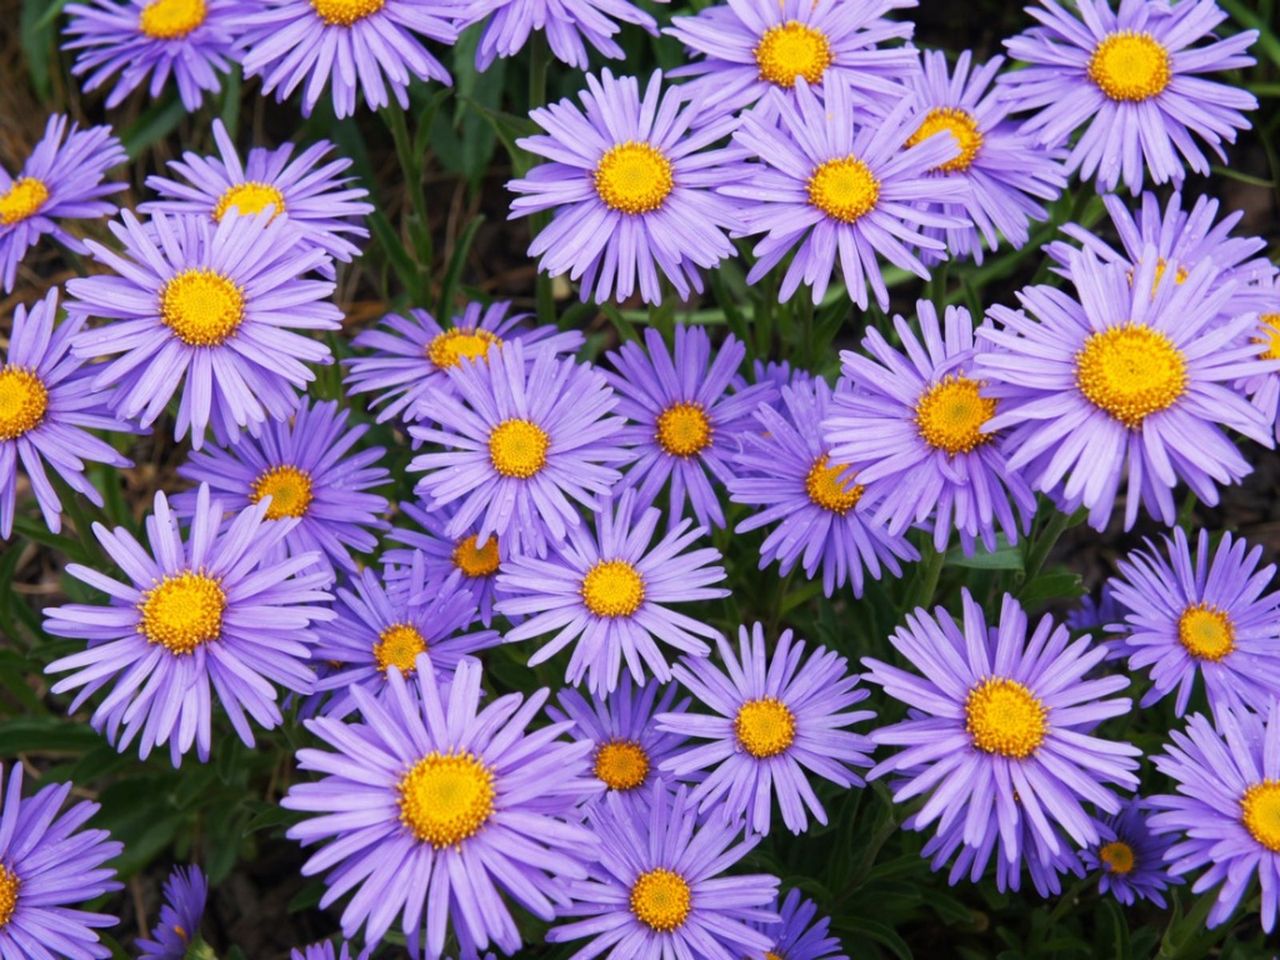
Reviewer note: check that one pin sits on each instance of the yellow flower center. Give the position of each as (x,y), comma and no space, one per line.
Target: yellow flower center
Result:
(1206,632)
(171,19)
(961,125)
(9,884)
(249,198)
(1270,336)
(476,563)
(518,448)
(770,955)
(398,646)
(952,412)
(832,487)
(790,50)
(844,189)
(613,588)
(684,429)
(634,177)
(765,728)
(181,612)
(1260,812)
(23,199)
(1131,371)
(202,308)
(24,400)
(621,764)
(661,900)
(446,798)
(1128,65)
(343,13)
(448,348)
(1118,856)
(1002,716)
(289,489)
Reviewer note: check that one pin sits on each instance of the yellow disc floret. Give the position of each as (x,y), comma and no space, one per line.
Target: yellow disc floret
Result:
(621,764)
(764,728)
(518,448)
(844,189)
(791,50)
(1002,716)
(249,198)
(1130,66)
(447,349)
(1206,632)
(24,400)
(613,588)
(952,412)
(398,646)
(23,199)
(9,884)
(202,307)
(1118,857)
(344,13)
(961,125)
(634,177)
(446,798)
(1260,813)
(171,19)
(476,563)
(684,429)
(182,612)
(1270,336)
(289,489)
(1131,371)
(661,900)
(832,487)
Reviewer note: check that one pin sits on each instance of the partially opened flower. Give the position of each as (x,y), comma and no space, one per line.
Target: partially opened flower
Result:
(308,470)
(209,310)
(185,893)
(131,40)
(439,813)
(779,718)
(49,866)
(610,593)
(1131,82)
(61,180)
(570,26)
(353,46)
(198,618)
(1130,859)
(632,180)
(797,935)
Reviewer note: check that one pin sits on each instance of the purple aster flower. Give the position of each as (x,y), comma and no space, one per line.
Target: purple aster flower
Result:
(779,373)
(631,180)
(685,422)
(353,46)
(1045,866)
(307,469)
(322,205)
(1226,811)
(797,935)
(658,886)
(522,440)
(1205,615)
(214,305)
(437,812)
(628,749)
(412,356)
(917,423)
(47,866)
(746,48)
(1094,611)
(1130,859)
(779,719)
(380,629)
(823,519)
(997,736)
(59,181)
(1120,383)
(569,26)
(185,893)
(610,592)
(1264,389)
(188,39)
(1007,172)
(836,184)
(197,619)
(47,407)
(1130,81)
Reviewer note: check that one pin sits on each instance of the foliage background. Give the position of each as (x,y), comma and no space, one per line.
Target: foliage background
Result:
(436,174)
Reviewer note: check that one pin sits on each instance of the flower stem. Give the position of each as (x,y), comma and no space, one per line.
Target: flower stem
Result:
(419,224)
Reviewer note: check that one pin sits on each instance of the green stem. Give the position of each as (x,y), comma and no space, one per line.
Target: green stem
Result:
(1038,551)
(1067,900)
(411,167)
(927,575)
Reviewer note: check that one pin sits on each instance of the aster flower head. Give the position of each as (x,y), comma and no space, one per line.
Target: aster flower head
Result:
(196,618)
(1116,384)
(570,27)
(835,184)
(327,951)
(1130,858)
(185,893)
(1131,82)
(60,180)
(353,46)
(778,718)
(410,357)
(48,865)
(308,470)
(327,208)
(1094,611)
(658,886)
(685,421)
(1210,614)
(127,41)
(917,422)
(1264,389)
(1225,813)
(999,733)
(1043,865)
(522,439)
(797,935)
(47,407)
(747,48)
(436,812)
(210,309)
(819,504)
(610,593)
(631,178)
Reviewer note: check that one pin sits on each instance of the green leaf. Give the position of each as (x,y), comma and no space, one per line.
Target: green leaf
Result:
(1005,558)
